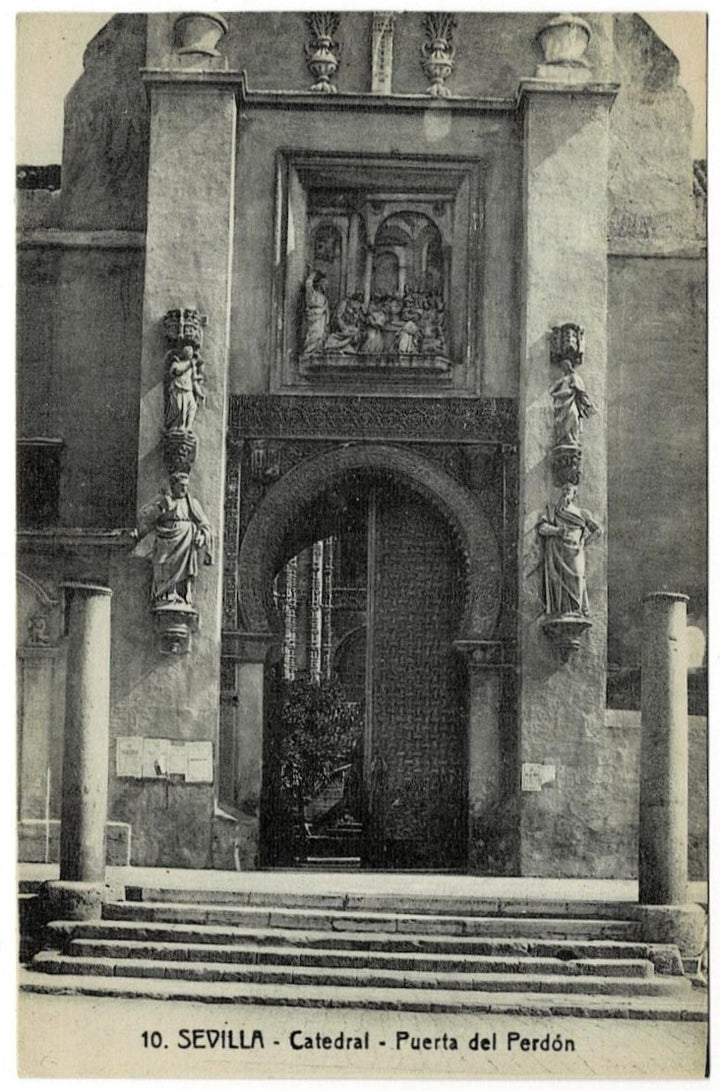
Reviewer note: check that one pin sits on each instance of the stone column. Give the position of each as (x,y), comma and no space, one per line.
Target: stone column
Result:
(562,705)
(664,912)
(664,753)
(79,893)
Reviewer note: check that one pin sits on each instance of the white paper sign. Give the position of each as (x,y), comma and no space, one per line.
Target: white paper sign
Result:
(128,756)
(534,776)
(177,759)
(199,762)
(155,757)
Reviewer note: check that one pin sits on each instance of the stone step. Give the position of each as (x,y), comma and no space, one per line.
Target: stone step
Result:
(275,916)
(359,978)
(263,955)
(664,957)
(406,903)
(687,1007)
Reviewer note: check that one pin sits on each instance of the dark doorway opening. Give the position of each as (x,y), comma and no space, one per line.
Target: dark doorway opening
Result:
(366,739)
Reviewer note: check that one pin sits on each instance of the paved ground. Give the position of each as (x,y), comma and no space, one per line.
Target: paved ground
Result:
(367,882)
(77,1037)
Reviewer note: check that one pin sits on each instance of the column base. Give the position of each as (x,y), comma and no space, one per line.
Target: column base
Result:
(67,900)
(683,925)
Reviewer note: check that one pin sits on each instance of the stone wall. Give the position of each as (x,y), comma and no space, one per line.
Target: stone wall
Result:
(623,728)
(79,308)
(657,398)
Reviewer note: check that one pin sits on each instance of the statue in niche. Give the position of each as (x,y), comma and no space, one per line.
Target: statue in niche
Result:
(183,388)
(571,405)
(182,533)
(566,529)
(347,326)
(317,313)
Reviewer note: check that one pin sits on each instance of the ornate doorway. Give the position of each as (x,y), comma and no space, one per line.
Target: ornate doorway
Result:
(366,737)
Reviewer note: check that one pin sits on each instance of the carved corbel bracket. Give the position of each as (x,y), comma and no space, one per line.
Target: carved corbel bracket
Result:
(566,464)
(174,625)
(565,632)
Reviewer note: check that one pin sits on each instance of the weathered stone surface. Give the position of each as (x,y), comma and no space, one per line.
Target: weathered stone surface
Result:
(650,175)
(106,137)
(682,925)
(658,425)
(73,900)
(569,827)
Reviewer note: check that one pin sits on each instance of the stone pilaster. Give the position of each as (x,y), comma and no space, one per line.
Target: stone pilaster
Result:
(191,199)
(562,704)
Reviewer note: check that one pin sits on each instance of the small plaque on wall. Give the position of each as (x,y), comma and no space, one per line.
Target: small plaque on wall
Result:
(199,762)
(535,776)
(128,756)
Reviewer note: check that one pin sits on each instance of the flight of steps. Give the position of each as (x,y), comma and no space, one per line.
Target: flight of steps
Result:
(360,951)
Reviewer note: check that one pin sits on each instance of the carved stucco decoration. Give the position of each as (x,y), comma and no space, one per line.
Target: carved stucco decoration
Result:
(39,614)
(260,551)
(438,52)
(383,29)
(322,52)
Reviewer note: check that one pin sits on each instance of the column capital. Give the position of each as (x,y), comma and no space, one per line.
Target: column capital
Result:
(86,588)
(666,596)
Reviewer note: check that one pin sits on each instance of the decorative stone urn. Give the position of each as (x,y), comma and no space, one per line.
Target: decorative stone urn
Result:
(438,54)
(199,32)
(322,53)
(563,41)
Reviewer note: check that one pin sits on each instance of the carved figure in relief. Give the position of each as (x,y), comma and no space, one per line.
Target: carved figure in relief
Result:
(408,336)
(571,405)
(375,321)
(183,389)
(317,313)
(566,529)
(38,632)
(182,533)
(347,329)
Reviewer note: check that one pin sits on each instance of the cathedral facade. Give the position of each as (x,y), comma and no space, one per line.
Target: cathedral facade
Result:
(362,358)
